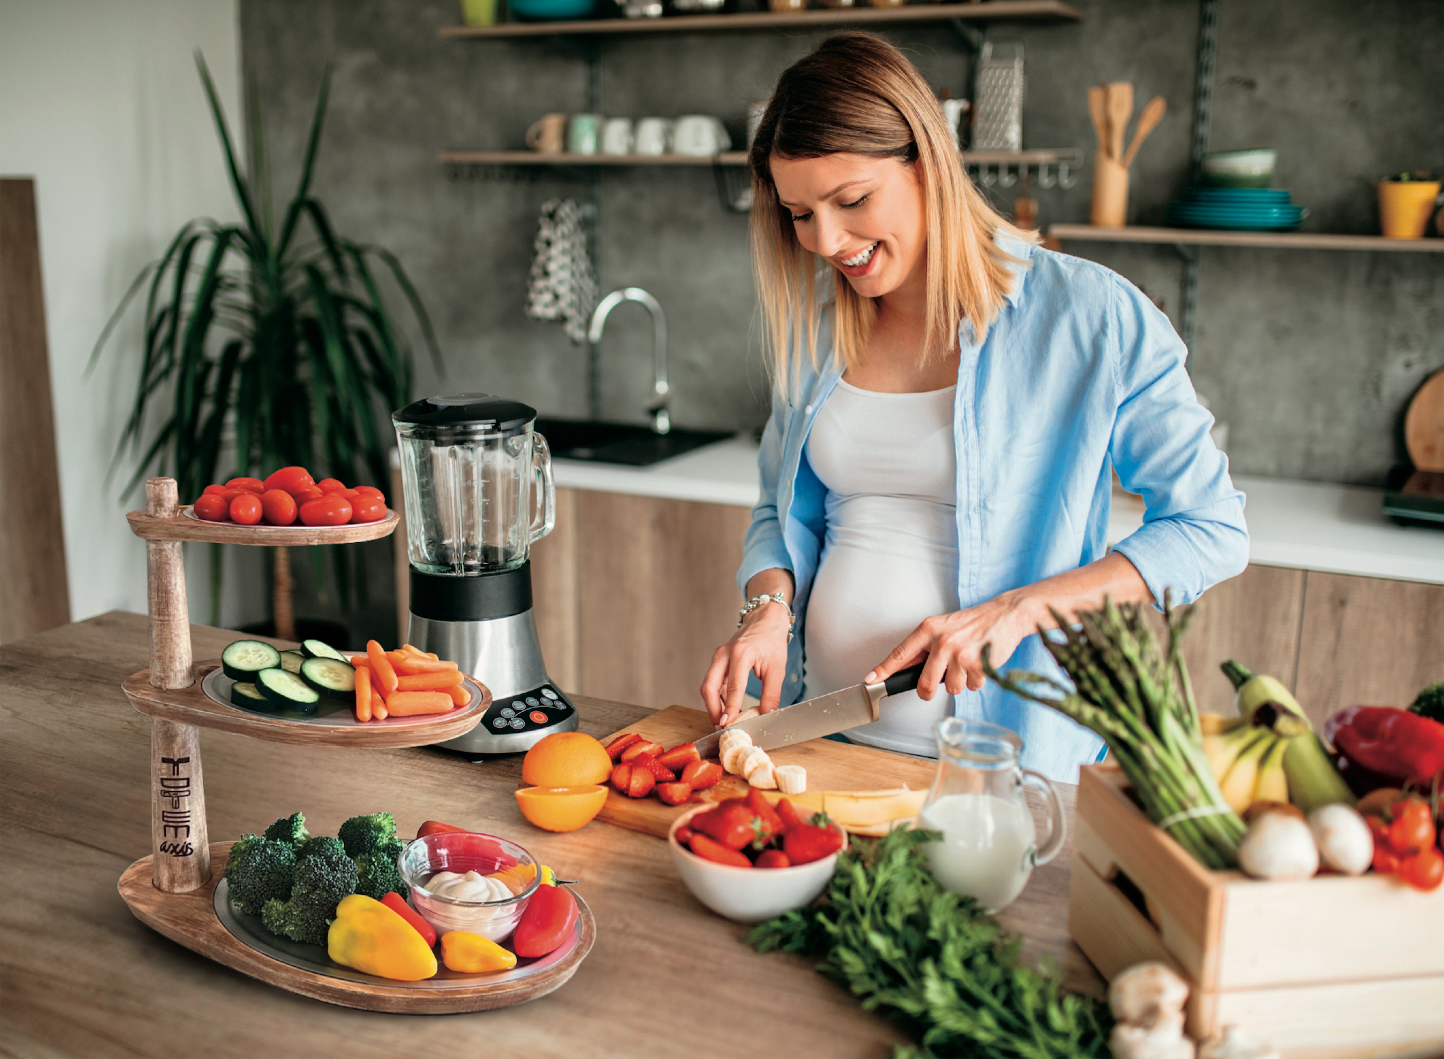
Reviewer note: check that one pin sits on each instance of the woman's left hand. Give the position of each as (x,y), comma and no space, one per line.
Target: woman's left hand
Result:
(953,645)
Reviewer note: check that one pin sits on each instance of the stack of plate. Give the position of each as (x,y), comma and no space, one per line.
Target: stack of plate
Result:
(1242,209)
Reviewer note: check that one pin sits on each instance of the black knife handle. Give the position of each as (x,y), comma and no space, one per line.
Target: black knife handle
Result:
(904,679)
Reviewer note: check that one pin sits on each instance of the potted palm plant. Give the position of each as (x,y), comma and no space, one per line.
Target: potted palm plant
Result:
(267,345)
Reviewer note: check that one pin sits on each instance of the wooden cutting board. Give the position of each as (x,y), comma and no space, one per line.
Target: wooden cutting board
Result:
(831,766)
(1424,425)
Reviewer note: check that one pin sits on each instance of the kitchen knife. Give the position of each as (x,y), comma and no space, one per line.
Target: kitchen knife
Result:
(817,717)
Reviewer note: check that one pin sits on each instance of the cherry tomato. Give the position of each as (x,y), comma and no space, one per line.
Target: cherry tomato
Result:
(231,492)
(371,490)
(212,508)
(246,509)
(1424,870)
(213,490)
(330,485)
(253,485)
(1386,861)
(367,509)
(291,479)
(1412,829)
(278,507)
(311,492)
(325,511)
(349,494)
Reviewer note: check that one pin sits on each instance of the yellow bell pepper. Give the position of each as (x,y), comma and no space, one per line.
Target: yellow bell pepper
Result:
(469,953)
(368,936)
(549,877)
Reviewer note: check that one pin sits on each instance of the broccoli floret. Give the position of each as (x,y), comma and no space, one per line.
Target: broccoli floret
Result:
(1430,703)
(378,873)
(260,869)
(320,844)
(323,878)
(367,834)
(289,829)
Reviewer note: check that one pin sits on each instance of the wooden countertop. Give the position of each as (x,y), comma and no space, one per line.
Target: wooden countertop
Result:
(84,977)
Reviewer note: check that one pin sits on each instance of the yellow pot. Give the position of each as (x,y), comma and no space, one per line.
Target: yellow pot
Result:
(1404,207)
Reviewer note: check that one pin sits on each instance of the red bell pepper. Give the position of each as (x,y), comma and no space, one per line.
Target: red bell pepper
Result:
(1398,745)
(397,904)
(550,916)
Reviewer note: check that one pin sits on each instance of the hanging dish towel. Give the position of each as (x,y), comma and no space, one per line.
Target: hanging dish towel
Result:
(562,285)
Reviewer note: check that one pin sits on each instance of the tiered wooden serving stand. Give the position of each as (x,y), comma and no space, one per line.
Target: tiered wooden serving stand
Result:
(173,890)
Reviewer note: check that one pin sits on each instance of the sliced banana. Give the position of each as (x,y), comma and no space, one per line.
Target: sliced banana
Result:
(791,779)
(749,758)
(733,737)
(762,775)
(732,757)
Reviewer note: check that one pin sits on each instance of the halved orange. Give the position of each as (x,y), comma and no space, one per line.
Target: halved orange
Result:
(561,808)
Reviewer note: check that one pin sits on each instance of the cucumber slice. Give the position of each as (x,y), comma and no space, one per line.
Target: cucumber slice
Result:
(287,690)
(319,649)
(243,659)
(291,661)
(249,696)
(330,677)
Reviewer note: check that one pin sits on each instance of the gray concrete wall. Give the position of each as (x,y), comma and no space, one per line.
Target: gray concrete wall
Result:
(1308,355)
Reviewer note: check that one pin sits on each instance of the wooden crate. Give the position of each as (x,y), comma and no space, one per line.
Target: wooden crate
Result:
(1335,964)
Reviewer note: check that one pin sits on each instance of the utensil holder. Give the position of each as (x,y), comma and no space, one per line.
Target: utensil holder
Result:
(1110,192)
(1404,207)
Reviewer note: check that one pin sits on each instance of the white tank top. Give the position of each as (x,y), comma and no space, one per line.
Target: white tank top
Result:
(890,558)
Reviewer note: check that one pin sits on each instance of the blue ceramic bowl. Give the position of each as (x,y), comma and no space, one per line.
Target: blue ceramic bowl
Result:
(550,10)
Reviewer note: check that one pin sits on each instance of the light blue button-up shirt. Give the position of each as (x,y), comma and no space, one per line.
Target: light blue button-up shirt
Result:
(1079,374)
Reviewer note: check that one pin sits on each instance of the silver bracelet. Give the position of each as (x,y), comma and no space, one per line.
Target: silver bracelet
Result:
(757,601)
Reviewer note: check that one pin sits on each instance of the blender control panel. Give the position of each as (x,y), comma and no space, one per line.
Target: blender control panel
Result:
(527,711)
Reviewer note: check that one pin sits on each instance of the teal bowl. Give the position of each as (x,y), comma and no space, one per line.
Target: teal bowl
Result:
(551,10)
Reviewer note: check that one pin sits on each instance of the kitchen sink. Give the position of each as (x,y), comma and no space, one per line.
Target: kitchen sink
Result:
(624,443)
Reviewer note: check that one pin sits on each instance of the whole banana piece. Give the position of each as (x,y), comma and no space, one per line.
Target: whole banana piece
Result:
(1241,781)
(1253,693)
(1273,784)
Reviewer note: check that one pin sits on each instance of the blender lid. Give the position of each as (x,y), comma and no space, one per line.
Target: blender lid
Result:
(480,413)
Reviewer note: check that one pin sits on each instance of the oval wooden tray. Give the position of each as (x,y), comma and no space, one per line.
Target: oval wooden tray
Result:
(191,705)
(185,527)
(190,919)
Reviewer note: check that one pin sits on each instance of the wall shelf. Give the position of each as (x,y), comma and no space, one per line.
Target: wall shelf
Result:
(1210,237)
(993,11)
(728,158)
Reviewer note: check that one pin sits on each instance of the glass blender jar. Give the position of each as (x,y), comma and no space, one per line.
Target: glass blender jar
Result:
(477,483)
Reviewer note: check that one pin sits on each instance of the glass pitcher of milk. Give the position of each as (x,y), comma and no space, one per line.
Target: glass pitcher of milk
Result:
(989,845)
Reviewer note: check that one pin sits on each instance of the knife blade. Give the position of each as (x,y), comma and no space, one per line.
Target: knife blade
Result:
(817,717)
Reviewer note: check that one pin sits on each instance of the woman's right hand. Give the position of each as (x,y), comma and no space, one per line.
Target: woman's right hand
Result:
(758,646)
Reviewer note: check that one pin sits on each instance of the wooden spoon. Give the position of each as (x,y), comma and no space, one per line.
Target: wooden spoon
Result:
(1098,111)
(1147,122)
(1120,109)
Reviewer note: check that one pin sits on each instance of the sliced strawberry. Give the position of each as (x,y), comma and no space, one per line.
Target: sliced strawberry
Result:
(809,842)
(771,822)
(674,793)
(702,774)
(617,745)
(772,858)
(660,772)
(642,746)
(684,835)
(789,815)
(641,783)
(622,777)
(708,849)
(678,756)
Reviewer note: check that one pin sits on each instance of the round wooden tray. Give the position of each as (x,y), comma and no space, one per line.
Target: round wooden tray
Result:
(190,919)
(191,705)
(184,526)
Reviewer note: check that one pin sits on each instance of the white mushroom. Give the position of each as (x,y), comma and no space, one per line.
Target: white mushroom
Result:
(1278,847)
(1146,993)
(1343,837)
(1235,1044)
(1163,1039)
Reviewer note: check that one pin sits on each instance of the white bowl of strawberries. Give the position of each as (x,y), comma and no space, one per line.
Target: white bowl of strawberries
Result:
(749,859)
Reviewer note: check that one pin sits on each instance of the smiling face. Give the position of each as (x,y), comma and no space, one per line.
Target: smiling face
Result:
(864,215)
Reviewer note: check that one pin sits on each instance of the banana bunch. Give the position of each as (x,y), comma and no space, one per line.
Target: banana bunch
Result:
(1269,751)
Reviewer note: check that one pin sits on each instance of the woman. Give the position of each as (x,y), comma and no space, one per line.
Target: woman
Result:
(950,403)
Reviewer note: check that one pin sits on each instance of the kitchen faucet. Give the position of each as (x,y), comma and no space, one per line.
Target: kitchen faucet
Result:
(661,421)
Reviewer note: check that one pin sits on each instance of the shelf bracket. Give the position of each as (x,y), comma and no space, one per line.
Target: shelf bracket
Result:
(1188,315)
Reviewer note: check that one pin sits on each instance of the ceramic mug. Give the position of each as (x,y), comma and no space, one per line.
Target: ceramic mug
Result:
(583,133)
(547,134)
(617,136)
(700,135)
(654,136)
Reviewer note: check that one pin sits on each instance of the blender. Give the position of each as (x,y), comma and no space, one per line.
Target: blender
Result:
(477,481)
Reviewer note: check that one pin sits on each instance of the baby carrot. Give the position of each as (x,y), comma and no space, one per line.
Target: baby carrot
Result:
(381,668)
(416,665)
(360,660)
(417,703)
(378,707)
(428,681)
(459,695)
(363,694)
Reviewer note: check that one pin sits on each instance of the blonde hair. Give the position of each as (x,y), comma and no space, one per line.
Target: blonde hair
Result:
(856,93)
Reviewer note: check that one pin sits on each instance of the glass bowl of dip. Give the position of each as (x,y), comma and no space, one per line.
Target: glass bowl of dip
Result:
(463,880)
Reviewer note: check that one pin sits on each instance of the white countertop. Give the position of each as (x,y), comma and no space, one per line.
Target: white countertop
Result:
(1306,525)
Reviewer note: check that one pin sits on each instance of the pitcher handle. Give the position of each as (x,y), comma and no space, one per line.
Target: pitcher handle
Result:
(1057,819)
(541,461)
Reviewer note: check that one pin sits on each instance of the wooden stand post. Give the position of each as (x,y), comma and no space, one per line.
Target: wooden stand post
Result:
(178,803)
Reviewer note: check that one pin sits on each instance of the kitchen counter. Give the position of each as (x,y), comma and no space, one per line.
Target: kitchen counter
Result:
(1303,525)
(84,977)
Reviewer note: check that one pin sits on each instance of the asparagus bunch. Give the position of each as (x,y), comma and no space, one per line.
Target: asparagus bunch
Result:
(1139,699)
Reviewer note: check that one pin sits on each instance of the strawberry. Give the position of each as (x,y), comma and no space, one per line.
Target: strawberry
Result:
(660,772)
(772,858)
(708,849)
(678,756)
(808,842)
(621,777)
(789,815)
(702,774)
(674,793)
(771,822)
(617,745)
(730,824)
(640,784)
(642,746)
(684,835)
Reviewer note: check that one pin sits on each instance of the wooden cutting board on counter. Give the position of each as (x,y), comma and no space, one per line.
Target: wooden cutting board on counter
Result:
(831,766)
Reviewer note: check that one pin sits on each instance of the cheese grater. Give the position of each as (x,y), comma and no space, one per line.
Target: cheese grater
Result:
(998,125)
